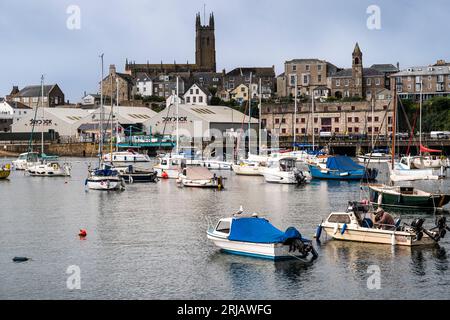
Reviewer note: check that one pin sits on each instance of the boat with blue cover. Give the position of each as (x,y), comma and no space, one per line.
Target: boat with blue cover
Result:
(341,168)
(250,235)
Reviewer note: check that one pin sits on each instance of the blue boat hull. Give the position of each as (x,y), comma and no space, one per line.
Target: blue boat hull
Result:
(317,173)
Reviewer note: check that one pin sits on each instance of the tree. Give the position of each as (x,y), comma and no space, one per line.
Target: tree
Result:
(213,91)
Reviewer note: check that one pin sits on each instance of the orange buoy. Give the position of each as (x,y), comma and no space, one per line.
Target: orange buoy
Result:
(164,175)
(82,233)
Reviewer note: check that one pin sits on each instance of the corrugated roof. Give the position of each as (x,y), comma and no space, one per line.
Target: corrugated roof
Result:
(219,114)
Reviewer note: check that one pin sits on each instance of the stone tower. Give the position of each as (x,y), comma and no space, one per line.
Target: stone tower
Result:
(205,44)
(357,72)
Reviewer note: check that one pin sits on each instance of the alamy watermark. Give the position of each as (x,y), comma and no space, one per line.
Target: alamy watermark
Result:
(73,282)
(73,21)
(374,280)
(374,19)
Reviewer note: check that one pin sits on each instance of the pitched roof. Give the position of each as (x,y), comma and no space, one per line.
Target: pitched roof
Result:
(17,105)
(367,72)
(205,90)
(385,68)
(219,114)
(424,70)
(256,71)
(35,91)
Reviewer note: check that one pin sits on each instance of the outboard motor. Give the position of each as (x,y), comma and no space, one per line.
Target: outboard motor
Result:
(299,177)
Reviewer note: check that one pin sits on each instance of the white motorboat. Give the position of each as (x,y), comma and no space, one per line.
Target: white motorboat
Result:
(49,169)
(216,164)
(126,156)
(354,225)
(169,167)
(284,171)
(248,168)
(256,237)
(26,159)
(200,177)
(404,171)
(106,178)
(375,157)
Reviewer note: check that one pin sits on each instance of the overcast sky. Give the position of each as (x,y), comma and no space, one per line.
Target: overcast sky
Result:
(35,39)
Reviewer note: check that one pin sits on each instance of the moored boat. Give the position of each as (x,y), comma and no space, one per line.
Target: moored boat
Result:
(377,156)
(257,237)
(5,171)
(49,169)
(341,168)
(408,198)
(248,168)
(106,178)
(131,174)
(284,171)
(354,225)
(200,177)
(169,167)
(126,156)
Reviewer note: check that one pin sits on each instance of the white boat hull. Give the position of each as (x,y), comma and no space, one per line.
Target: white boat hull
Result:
(44,170)
(104,183)
(371,235)
(126,157)
(215,165)
(274,251)
(171,173)
(280,177)
(247,170)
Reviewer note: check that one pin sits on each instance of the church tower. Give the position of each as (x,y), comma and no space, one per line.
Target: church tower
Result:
(357,72)
(205,44)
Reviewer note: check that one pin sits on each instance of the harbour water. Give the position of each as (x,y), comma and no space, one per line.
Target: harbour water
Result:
(149,242)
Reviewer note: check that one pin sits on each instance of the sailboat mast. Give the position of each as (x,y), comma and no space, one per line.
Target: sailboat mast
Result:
(373,129)
(312,121)
(176,103)
(295,113)
(112,122)
(42,106)
(249,112)
(260,112)
(394,123)
(100,144)
(117,123)
(420,117)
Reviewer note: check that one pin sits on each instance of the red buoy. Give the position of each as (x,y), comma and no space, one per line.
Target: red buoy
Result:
(82,233)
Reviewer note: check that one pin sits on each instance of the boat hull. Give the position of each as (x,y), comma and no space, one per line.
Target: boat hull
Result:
(171,173)
(324,174)
(280,177)
(272,251)
(246,170)
(378,236)
(104,183)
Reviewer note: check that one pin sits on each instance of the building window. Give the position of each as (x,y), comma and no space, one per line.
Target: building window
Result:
(283,130)
(296,120)
(316,120)
(384,107)
(356,129)
(294,67)
(369,129)
(191,91)
(307,67)
(296,130)
(338,83)
(200,99)
(194,99)
(303,120)
(353,108)
(349,119)
(188,99)
(277,120)
(336,130)
(303,130)
(319,67)
(336,119)
(377,129)
(369,82)
(377,119)
(356,119)
(377,81)
(339,108)
(369,119)
(350,130)
(316,130)
(283,120)
(319,78)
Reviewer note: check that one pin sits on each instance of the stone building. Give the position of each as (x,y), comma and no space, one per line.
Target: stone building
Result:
(310,74)
(124,82)
(343,118)
(435,79)
(243,75)
(205,55)
(31,96)
(359,81)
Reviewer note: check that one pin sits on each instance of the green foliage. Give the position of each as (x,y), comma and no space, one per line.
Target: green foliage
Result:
(153,99)
(435,114)
(213,91)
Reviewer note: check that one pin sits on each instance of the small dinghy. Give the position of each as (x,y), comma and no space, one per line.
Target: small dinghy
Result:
(200,177)
(257,237)
(356,224)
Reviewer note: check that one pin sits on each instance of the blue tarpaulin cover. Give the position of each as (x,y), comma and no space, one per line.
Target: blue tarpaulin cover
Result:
(343,163)
(259,230)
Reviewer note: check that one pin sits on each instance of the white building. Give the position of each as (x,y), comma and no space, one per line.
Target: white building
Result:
(172,99)
(196,121)
(65,121)
(14,110)
(90,100)
(144,86)
(197,95)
